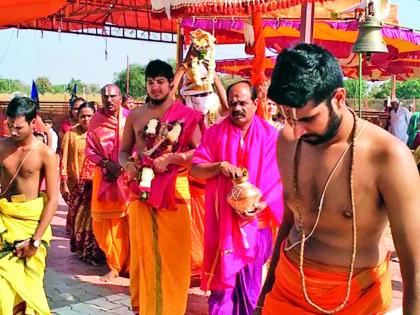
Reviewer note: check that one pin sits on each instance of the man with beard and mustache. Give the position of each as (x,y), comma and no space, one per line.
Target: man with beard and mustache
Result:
(160,233)
(237,246)
(345,181)
(109,194)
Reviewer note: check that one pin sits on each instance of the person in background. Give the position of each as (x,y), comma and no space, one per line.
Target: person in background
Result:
(48,122)
(128,102)
(413,130)
(109,207)
(79,220)
(399,120)
(273,112)
(72,118)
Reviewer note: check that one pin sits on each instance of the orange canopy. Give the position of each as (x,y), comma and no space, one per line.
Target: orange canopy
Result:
(21,11)
(186,8)
(78,15)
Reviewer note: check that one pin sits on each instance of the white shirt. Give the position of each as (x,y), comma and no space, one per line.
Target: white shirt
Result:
(399,123)
(54,140)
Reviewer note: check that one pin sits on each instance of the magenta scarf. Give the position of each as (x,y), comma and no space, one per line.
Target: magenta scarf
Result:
(228,247)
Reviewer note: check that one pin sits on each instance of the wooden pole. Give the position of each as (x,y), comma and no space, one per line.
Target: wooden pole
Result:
(180,45)
(393,86)
(127,77)
(307,22)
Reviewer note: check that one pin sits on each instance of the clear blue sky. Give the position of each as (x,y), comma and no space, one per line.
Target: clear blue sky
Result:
(25,55)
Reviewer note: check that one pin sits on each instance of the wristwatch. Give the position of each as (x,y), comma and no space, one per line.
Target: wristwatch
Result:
(35,243)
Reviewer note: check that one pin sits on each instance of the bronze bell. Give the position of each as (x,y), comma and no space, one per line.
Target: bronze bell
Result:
(369,39)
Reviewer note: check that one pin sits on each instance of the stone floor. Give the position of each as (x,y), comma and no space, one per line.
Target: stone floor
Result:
(73,287)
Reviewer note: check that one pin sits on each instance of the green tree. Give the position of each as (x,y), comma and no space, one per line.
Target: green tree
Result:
(59,88)
(228,79)
(79,86)
(408,89)
(92,88)
(381,91)
(43,85)
(137,80)
(10,86)
(352,87)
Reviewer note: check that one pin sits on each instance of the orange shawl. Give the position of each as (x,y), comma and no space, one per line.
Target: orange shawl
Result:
(103,142)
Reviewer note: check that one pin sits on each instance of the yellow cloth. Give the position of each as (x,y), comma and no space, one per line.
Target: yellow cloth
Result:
(160,265)
(22,281)
(73,147)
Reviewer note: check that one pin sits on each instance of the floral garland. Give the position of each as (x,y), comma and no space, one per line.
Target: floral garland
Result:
(159,138)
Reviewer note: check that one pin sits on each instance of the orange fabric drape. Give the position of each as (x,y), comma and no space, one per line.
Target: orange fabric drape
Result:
(258,66)
(371,290)
(113,238)
(258,63)
(20,11)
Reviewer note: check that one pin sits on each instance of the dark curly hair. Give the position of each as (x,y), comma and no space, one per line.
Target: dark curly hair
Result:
(304,73)
(157,68)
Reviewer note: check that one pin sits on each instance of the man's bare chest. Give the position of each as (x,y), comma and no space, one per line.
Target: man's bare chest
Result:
(21,164)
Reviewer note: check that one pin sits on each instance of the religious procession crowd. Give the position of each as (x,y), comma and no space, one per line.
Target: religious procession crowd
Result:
(198,185)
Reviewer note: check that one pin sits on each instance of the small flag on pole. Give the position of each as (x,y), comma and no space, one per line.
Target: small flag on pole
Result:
(34,92)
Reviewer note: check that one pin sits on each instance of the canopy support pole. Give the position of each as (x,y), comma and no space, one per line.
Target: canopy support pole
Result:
(393,86)
(307,22)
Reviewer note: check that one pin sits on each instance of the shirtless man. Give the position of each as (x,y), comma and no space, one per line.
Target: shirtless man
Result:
(25,215)
(168,244)
(362,180)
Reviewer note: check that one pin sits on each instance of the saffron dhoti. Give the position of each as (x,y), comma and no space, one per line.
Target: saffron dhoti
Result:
(110,227)
(160,265)
(370,294)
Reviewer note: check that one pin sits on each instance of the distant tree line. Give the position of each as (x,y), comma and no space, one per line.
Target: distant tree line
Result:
(44,85)
(409,89)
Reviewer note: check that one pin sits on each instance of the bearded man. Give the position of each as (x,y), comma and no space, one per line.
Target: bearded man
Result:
(345,181)
(160,232)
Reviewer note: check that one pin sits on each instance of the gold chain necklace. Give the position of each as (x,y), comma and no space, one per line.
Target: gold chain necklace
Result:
(303,237)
